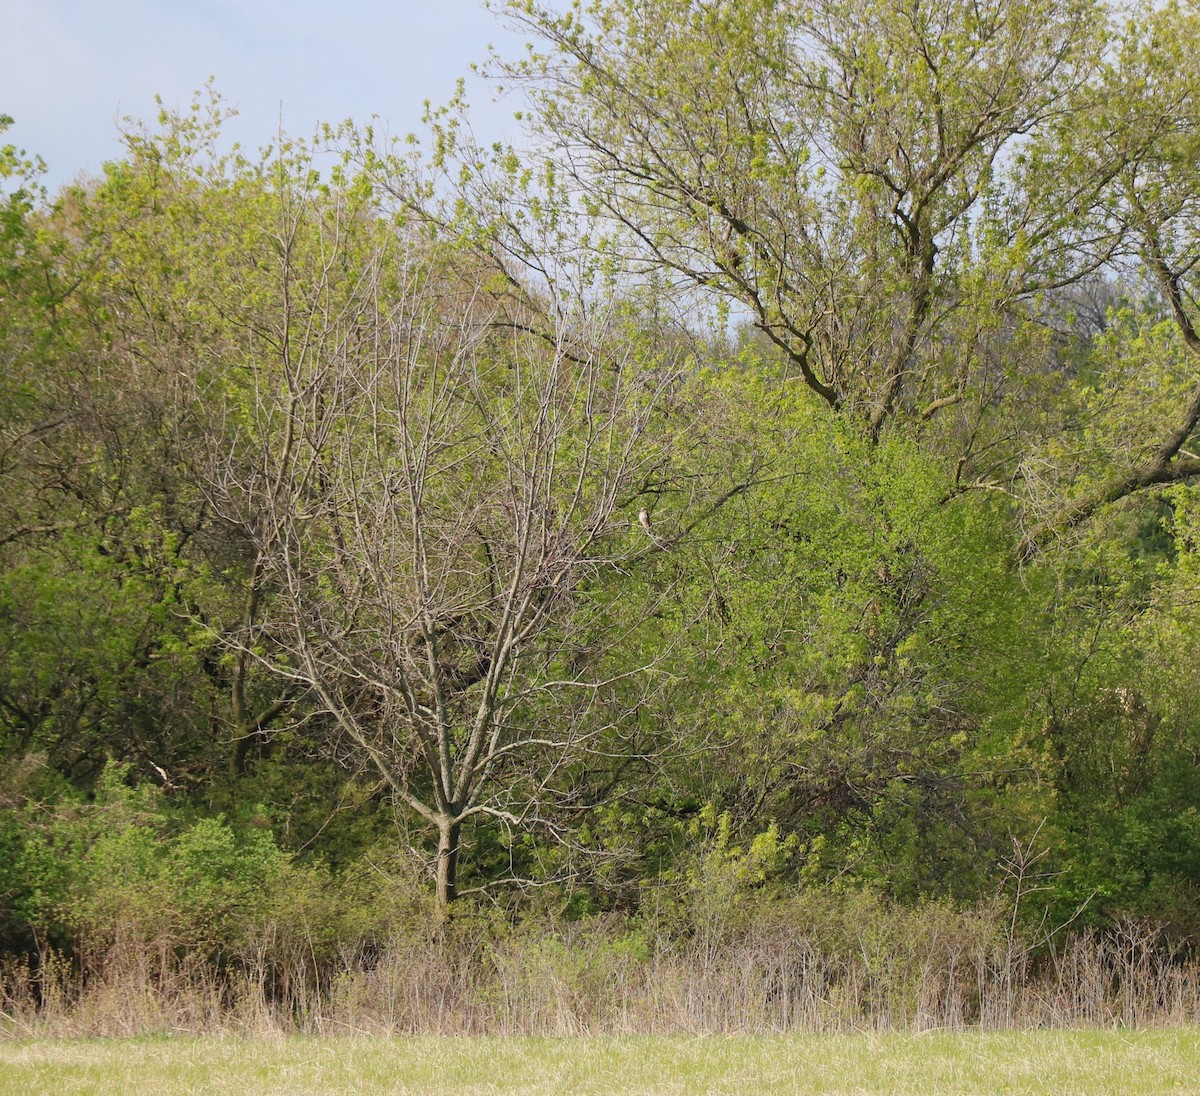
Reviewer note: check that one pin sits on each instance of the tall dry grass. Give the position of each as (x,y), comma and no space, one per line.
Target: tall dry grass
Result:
(818,963)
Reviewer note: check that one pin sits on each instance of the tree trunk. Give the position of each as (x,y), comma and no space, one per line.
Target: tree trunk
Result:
(242,740)
(447,863)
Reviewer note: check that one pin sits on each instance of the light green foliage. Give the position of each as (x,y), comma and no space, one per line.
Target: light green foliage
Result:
(20,193)
(125,875)
(1123,717)
(128,876)
(322,472)
(908,206)
(1133,141)
(834,168)
(857,651)
(187,277)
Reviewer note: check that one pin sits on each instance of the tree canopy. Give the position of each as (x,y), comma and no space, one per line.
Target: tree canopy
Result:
(786,460)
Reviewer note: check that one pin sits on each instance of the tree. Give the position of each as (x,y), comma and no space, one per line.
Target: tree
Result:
(86,603)
(835,169)
(113,557)
(435,469)
(392,458)
(859,662)
(1139,135)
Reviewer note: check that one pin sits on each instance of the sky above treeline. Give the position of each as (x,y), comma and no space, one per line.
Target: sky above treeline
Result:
(73,69)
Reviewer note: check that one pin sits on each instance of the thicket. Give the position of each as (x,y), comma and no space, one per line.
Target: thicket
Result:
(716,568)
(143,920)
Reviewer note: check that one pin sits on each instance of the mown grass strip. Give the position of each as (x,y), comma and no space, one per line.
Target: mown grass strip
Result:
(1057,1062)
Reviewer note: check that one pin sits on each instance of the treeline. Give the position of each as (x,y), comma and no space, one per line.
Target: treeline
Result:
(775,486)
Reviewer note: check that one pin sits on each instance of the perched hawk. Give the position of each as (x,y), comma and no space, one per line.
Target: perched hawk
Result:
(644,521)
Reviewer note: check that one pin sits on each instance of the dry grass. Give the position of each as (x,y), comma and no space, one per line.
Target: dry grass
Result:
(888,971)
(1061,1062)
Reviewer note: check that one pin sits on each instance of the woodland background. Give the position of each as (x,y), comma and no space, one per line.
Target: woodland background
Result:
(732,561)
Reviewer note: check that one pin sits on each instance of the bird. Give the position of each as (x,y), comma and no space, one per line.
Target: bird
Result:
(644,521)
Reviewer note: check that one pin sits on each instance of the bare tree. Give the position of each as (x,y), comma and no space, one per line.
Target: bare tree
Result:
(448,465)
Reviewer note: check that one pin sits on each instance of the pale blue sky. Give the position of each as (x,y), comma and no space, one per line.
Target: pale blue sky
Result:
(71,68)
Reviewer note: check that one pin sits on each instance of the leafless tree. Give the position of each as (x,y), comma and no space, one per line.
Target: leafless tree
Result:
(448,465)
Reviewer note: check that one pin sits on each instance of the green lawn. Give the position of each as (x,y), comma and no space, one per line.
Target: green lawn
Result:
(1142,1062)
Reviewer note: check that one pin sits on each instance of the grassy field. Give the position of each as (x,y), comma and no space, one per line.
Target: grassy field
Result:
(1141,1062)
